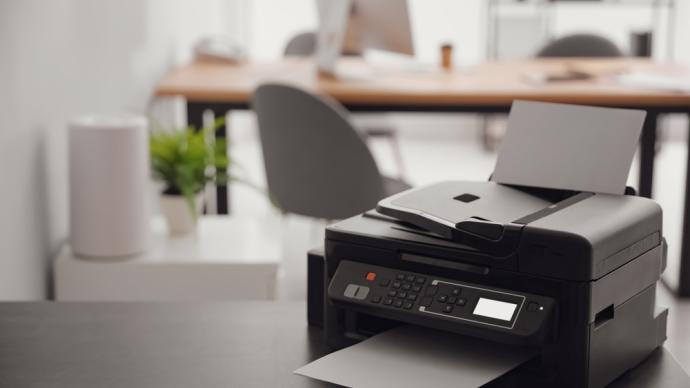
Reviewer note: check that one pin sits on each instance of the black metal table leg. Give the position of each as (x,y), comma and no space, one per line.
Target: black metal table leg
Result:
(684,268)
(222,198)
(647,150)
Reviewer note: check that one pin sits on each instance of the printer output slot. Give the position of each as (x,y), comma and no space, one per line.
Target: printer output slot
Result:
(604,316)
(476,269)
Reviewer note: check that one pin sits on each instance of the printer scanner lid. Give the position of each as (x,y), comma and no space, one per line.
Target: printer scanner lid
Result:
(454,202)
(470,212)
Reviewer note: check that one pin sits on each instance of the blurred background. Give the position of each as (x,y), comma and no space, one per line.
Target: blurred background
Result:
(60,60)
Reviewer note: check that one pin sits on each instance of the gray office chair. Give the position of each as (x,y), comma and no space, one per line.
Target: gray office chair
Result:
(317,165)
(304,45)
(580,45)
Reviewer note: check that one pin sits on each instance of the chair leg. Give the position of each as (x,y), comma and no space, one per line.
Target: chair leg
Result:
(492,131)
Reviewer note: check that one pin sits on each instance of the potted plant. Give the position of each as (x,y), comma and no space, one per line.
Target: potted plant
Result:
(185,160)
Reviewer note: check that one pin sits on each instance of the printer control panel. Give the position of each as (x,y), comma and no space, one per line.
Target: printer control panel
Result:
(397,293)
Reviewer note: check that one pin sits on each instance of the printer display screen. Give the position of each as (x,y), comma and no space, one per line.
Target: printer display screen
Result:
(494,309)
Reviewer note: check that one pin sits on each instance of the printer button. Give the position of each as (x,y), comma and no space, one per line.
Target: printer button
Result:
(431,290)
(448,308)
(416,288)
(376,299)
(411,296)
(398,303)
(392,293)
(456,291)
(388,301)
(407,305)
(396,284)
(351,290)
(410,278)
(400,276)
(421,280)
(356,292)
(452,300)
(443,298)
(406,286)
(426,301)
(461,302)
(533,306)
(402,294)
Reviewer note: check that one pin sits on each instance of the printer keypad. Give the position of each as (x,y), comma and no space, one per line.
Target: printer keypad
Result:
(404,291)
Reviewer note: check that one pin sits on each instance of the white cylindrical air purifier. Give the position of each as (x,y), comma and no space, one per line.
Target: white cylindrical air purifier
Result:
(108,166)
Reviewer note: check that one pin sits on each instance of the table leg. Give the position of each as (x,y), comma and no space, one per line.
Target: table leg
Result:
(684,272)
(222,195)
(647,150)
(195,117)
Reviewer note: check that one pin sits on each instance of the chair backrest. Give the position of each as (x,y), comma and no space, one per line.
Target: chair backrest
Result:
(302,45)
(316,164)
(580,45)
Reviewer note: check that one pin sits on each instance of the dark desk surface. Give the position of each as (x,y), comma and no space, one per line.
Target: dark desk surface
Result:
(233,344)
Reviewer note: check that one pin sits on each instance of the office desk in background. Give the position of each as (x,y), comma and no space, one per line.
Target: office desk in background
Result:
(167,345)
(487,88)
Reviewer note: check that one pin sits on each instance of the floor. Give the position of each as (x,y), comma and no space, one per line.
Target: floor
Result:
(447,147)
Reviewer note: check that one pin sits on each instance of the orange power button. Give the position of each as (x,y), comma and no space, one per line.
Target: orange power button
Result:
(371,276)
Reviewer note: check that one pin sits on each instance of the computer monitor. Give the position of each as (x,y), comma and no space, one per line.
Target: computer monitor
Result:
(353,26)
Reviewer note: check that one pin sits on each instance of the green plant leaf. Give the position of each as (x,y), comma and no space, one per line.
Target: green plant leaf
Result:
(186,159)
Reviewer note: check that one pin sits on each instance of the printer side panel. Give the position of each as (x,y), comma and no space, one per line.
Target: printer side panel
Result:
(590,238)
(618,344)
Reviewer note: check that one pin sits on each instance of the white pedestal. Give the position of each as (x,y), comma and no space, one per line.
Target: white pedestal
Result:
(229,258)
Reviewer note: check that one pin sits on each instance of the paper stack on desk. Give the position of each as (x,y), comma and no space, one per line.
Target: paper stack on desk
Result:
(411,356)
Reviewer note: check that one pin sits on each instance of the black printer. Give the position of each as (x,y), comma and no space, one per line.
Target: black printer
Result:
(572,274)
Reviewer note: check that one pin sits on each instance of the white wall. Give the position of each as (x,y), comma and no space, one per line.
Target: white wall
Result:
(60,59)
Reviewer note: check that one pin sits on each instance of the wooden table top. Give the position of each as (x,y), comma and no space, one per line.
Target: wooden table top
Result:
(487,84)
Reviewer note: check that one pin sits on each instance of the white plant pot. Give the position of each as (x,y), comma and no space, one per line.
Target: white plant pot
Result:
(178,215)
